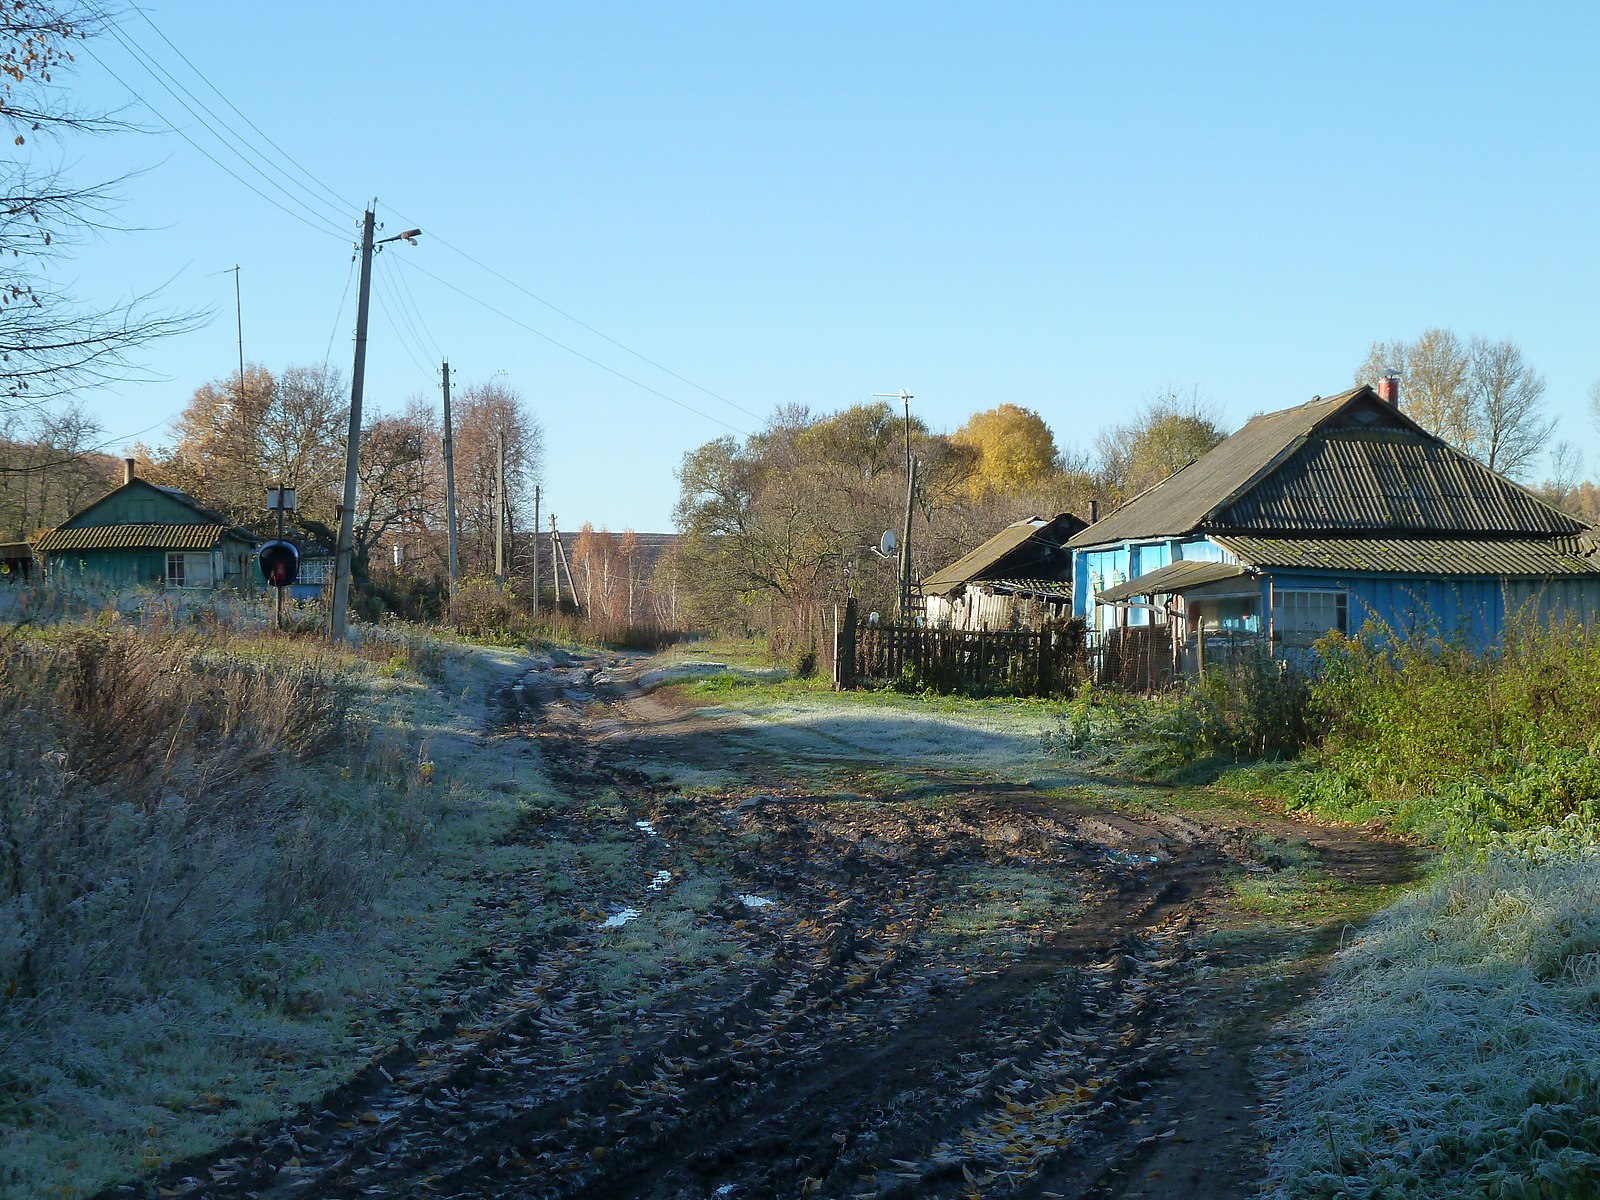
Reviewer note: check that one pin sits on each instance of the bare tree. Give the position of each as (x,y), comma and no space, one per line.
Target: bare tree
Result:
(1436,369)
(1507,407)
(1482,396)
(49,342)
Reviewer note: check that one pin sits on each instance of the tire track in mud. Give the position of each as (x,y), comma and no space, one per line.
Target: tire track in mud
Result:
(853,1047)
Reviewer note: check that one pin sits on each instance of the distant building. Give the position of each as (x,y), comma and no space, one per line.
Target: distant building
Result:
(1019,578)
(1327,516)
(145,535)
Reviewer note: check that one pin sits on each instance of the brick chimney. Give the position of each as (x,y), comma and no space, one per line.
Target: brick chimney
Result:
(1094,511)
(128,475)
(1389,390)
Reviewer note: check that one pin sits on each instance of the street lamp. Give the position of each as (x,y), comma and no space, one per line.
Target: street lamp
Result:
(352,455)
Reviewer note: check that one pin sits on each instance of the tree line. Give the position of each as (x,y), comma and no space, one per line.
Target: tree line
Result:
(780,524)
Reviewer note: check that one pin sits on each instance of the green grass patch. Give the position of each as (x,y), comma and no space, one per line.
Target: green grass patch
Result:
(989,904)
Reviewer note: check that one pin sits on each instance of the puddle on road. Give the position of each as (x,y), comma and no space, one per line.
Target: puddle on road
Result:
(660,880)
(750,901)
(620,919)
(645,827)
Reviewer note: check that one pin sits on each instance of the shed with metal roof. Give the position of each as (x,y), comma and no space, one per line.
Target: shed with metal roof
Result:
(1022,576)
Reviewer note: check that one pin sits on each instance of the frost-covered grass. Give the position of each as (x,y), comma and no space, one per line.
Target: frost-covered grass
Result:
(226,855)
(1455,1049)
(888,727)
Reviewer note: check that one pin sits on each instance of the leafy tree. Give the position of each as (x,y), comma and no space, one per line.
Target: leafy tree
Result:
(235,438)
(1013,448)
(1167,434)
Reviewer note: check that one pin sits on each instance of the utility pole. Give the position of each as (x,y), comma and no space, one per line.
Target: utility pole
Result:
(911,491)
(352,450)
(238,316)
(536,549)
(500,506)
(555,561)
(450,485)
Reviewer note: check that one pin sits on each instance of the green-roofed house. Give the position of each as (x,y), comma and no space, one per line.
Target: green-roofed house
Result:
(145,535)
(1021,577)
(1327,516)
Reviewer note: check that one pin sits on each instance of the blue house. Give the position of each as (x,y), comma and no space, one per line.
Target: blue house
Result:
(1327,516)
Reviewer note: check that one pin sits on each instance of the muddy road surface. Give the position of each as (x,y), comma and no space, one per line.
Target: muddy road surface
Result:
(791,971)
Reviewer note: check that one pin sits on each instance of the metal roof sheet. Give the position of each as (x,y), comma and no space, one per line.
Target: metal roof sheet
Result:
(1531,556)
(132,537)
(1174,577)
(1349,462)
(987,558)
(1055,589)
(1388,480)
(1182,501)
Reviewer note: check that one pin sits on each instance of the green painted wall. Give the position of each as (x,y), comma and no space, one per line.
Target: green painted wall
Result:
(139,503)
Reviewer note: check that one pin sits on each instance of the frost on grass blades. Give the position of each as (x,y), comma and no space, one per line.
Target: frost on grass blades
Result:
(1455,1050)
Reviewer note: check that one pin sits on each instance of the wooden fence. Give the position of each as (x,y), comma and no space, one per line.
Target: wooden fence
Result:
(1021,662)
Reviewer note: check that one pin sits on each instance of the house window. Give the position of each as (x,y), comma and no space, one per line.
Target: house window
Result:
(188,570)
(1300,617)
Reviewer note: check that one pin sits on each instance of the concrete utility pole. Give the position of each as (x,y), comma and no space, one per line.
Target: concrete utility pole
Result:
(500,506)
(555,560)
(450,485)
(352,450)
(536,548)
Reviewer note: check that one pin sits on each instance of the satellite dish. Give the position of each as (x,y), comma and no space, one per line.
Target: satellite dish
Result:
(887,543)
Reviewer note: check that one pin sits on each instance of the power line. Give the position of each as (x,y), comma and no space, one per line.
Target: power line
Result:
(392,310)
(580,323)
(162,76)
(403,286)
(214,160)
(338,200)
(539,333)
(343,296)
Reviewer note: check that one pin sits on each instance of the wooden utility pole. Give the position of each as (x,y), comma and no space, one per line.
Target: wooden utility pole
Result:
(450,484)
(535,548)
(352,446)
(500,506)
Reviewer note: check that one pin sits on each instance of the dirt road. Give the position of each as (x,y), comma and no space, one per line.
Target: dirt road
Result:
(827,977)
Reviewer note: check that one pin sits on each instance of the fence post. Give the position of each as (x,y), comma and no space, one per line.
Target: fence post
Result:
(844,647)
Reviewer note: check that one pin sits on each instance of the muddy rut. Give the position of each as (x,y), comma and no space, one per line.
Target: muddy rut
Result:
(858,1036)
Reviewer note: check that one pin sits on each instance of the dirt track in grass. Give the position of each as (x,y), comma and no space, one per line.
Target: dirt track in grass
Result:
(848,977)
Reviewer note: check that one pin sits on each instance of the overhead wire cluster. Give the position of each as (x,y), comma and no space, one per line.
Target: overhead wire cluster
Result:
(241,149)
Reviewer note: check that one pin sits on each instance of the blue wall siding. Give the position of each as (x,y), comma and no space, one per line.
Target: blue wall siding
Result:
(1474,610)
(1106,566)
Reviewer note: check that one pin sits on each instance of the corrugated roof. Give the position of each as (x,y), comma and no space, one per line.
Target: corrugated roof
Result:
(1388,479)
(1417,556)
(1174,577)
(1182,501)
(1053,589)
(1349,463)
(132,537)
(987,559)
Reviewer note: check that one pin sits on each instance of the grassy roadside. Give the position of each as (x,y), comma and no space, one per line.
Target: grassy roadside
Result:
(309,919)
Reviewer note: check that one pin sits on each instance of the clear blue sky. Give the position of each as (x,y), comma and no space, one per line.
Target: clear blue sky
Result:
(1065,207)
